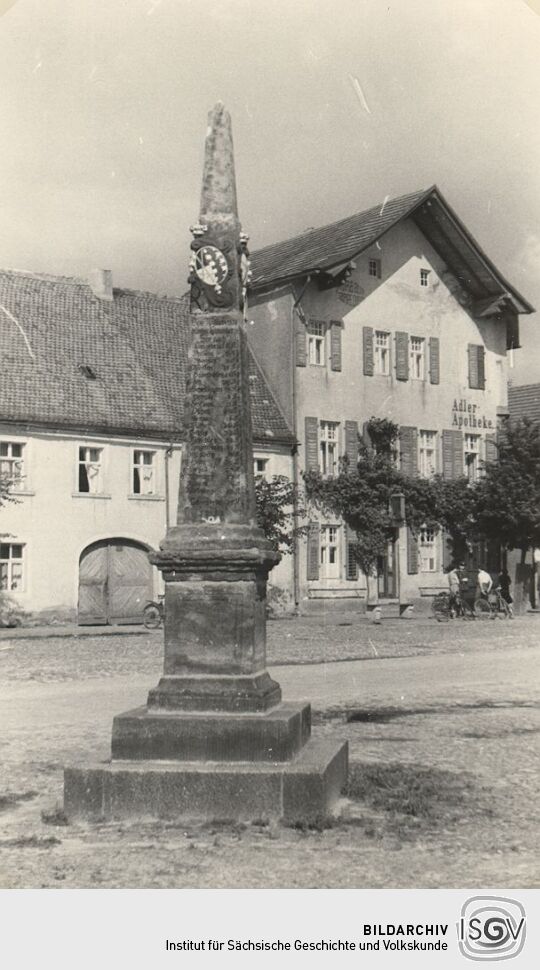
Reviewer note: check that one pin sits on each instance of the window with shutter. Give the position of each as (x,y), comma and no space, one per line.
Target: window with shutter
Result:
(351,443)
(477,370)
(408,451)
(313,546)
(367,336)
(312,444)
(492,452)
(301,351)
(402,356)
(434,360)
(352,564)
(335,344)
(412,552)
(452,454)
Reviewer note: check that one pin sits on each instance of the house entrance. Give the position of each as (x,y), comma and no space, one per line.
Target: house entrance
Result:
(115,582)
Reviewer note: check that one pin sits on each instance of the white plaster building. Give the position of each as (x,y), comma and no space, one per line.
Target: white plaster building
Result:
(91,410)
(395,312)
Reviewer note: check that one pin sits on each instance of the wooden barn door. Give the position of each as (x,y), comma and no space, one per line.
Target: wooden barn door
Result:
(93,575)
(115,583)
(130,582)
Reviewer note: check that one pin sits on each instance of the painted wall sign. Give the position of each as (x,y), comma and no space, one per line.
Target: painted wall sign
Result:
(465,415)
(350,293)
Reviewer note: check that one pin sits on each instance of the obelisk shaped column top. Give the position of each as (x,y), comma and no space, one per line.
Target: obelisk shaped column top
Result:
(218,197)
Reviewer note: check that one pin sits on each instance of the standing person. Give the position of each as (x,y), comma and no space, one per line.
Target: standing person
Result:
(484,582)
(504,583)
(455,583)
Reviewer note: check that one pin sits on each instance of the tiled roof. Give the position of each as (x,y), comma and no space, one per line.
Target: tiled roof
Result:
(524,402)
(330,245)
(51,328)
(337,244)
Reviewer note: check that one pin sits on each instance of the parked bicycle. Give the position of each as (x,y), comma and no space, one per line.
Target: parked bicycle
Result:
(153,613)
(492,605)
(448,606)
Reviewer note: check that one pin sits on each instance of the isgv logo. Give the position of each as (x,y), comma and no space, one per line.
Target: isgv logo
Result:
(491,928)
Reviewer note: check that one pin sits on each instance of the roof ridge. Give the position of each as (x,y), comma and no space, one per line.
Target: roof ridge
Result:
(338,222)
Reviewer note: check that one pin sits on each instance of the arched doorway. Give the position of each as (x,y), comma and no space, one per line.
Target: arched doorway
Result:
(115,582)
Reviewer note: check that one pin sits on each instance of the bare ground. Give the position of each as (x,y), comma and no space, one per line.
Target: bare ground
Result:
(443,724)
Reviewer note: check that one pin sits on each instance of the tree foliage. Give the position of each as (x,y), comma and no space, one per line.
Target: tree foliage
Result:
(507,498)
(279,506)
(361,496)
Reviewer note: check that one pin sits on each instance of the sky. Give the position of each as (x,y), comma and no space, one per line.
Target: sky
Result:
(335,104)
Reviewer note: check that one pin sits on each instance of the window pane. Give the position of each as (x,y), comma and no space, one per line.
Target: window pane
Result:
(4,448)
(82,454)
(147,457)
(16,576)
(16,552)
(3,575)
(94,454)
(4,551)
(136,481)
(16,451)
(84,485)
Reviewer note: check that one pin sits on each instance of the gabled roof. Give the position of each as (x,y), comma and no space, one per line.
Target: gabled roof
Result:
(524,402)
(321,250)
(71,360)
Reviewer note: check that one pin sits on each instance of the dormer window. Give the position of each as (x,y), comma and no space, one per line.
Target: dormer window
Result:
(374,268)
(424,277)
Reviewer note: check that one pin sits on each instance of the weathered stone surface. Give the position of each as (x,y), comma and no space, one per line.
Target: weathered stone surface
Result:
(144,734)
(234,694)
(300,790)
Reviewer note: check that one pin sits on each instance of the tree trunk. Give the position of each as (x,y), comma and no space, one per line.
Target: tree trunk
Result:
(372,582)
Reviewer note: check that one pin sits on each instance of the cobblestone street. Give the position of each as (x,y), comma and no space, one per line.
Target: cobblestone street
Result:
(443,724)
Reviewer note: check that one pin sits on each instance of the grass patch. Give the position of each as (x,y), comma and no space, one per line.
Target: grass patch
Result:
(407,800)
(11,799)
(30,842)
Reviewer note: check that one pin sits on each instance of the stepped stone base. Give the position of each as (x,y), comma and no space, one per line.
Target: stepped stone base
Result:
(295,791)
(147,734)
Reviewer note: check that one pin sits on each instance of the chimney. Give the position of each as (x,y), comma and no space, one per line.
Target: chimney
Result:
(101,283)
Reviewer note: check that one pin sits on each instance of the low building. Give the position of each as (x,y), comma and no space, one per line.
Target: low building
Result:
(91,416)
(395,312)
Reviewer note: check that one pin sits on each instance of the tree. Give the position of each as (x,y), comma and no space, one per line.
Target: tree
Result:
(361,495)
(507,498)
(279,506)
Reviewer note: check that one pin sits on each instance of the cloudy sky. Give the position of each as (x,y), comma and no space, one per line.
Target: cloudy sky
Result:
(335,104)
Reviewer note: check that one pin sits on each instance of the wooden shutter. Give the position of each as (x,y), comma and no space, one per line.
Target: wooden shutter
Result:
(402,356)
(366,437)
(335,345)
(452,454)
(313,550)
(492,452)
(369,358)
(434,360)
(352,564)
(477,369)
(351,443)
(311,444)
(481,366)
(412,552)
(300,339)
(408,451)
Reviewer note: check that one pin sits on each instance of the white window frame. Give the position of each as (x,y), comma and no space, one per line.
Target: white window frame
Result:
(316,343)
(427,452)
(329,450)
(330,566)
(381,353)
(94,469)
(427,550)
(12,467)
(6,567)
(147,482)
(424,276)
(472,455)
(417,358)
(374,268)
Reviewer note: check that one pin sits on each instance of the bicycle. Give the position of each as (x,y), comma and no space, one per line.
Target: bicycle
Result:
(153,613)
(491,605)
(448,606)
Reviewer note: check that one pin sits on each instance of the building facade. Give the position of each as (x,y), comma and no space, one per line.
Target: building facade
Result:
(394,313)
(91,419)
